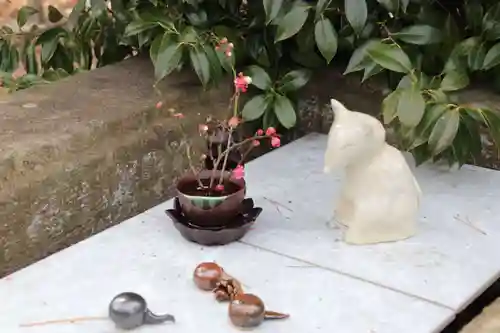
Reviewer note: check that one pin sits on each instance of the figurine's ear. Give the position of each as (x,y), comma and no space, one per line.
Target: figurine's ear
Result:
(337,107)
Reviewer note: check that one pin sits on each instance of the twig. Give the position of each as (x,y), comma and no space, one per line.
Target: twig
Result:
(276,203)
(230,136)
(63,321)
(239,144)
(245,154)
(301,266)
(470,224)
(191,166)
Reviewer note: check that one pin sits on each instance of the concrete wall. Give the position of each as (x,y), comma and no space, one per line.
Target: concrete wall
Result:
(82,154)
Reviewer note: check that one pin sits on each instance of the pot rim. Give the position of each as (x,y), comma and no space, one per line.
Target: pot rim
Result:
(206,174)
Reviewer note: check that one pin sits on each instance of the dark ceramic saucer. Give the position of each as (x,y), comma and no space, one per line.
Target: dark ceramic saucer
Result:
(231,232)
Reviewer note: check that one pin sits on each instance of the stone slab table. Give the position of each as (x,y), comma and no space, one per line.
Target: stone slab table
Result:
(293,259)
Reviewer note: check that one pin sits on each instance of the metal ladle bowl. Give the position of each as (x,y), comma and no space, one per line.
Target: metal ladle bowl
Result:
(129,310)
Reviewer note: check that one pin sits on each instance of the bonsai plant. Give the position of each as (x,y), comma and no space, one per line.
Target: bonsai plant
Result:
(212,196)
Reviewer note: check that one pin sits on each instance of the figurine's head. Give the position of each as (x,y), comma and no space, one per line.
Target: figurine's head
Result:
(354,136)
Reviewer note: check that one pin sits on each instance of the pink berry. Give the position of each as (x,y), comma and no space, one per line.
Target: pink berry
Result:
(275,142)
(270,131)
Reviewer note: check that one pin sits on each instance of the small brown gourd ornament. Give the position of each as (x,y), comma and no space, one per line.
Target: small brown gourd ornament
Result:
(209,276)
(248,310)
(245,310)
(206,275)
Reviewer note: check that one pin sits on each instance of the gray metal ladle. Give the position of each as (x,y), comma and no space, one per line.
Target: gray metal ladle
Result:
(129,310)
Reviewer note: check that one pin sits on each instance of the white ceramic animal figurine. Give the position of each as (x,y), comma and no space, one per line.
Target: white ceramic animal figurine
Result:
(380,197)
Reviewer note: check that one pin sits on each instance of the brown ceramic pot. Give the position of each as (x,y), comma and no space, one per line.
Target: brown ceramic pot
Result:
(210,211)
(231,232)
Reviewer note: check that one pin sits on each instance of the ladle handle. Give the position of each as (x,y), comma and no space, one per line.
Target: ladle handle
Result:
(151,318)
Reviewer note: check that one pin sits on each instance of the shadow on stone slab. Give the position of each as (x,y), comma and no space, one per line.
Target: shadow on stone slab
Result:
(474,309)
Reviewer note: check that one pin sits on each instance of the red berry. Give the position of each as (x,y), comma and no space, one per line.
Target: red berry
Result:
(275,142)
(270,131)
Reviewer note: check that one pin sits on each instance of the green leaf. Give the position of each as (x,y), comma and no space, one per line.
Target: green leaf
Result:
(294,80)
(404,5)
(155,47)
(476,114)
(201,65)
(358,58)
(444,131)
(431,115)
(226,62)
(30,59)
(390,56)
(419,34)
(467,45)
(269,119)
(391,5)
(491,23)
(259,76)
(24,14)
(74,16)
(54,75)
(215,65)
(475,143)
(326,38)
(476,58)
(197,18)
(390,106)
(474,14)
(308,59)
(49,40)
(411,106)
(455,80)
(155,17)
(303,39)
(54,14)
(371,70)
(255,108)
(438,96)
(292,22)
(492,58)
(356,12)
(493,122)
(98,6)
(136,27)
(272,8)
(452,33)
(189,35)
(321,5)
(169,57)
(284,111)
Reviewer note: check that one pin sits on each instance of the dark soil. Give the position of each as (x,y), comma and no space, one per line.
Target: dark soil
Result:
(193,188)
